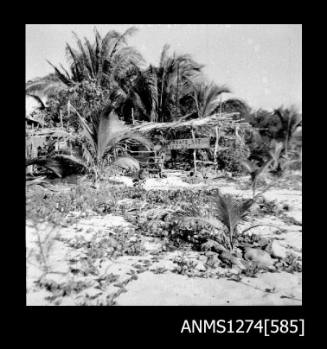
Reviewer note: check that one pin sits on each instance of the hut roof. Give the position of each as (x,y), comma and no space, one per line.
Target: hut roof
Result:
(54,132)
(225,119)
(31,120)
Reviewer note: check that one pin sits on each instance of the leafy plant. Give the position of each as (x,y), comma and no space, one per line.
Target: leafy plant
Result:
(281,162)
(255,171)
(231,213)
(42,250)
(162,88)
(290,119)
(230,159)
(103,134)
(207,97)
(227,211)
(103,61)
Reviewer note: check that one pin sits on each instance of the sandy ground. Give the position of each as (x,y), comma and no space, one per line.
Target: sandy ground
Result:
(148,279)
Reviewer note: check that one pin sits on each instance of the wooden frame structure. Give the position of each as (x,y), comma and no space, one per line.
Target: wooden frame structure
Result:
(217,124)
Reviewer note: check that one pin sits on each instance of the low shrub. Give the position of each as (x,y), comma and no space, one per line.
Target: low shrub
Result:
(230,159)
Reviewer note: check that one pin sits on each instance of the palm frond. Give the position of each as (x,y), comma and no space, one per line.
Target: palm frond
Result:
(230,212)
(264,167)
(45,86)
(121,39)
(276,152)
(128,137)
(109,127)
(76,63)
(92,56)
(249,166)
(60,75)
(146,86)
(163,56)
(35,181)
(73,159)
(87,131)
(51,164)
(88,155)
(127,163)
(38,99)
(84,56)
(124,59)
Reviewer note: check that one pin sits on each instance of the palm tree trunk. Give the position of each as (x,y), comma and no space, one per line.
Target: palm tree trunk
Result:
(231,233)
(161,94)
(287,137)
(197,104)
(177,97)
(216,145)
(194,152)
(254,184)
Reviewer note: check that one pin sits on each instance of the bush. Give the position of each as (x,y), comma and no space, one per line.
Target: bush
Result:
(230,159)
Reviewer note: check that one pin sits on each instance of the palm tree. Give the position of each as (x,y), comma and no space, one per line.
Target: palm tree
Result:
(207,97)
(235,105)
(103,134)
(107,61)
(161,88)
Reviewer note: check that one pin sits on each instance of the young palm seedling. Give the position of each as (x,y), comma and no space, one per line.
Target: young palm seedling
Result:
(275,154)
(280,162)
(102,135)
(231,213)
(227,211)
(255,171)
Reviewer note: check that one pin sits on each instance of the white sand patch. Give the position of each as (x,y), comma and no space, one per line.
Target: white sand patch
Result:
(169,183)
(38,298)
(172,289)
(165,183)
(155,284)
(128,181)
(56,252)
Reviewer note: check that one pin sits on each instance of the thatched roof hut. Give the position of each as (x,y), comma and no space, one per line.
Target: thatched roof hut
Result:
(220,131)
(200,126)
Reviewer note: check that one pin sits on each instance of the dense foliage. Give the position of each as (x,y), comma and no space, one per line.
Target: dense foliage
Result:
(107,72)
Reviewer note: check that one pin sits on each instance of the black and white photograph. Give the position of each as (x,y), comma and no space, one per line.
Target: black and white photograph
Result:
(163,164)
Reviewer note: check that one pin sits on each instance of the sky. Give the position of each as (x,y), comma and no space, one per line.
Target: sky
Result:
(261,64)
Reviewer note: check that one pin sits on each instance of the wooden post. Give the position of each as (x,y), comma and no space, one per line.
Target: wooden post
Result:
(194,152)
(132,116)
(237,135)
(177,95)
(68,108)
(62,126)
(216,144)
(162,162)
